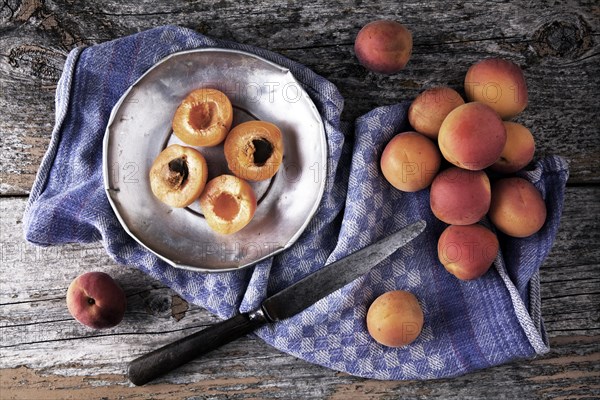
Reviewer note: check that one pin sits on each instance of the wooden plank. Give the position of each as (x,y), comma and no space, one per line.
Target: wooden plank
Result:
(555,46)
(570,371)
(45,352)
(43,347)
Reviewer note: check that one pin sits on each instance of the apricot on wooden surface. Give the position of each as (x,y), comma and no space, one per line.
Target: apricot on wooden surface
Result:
(254,150)
(383,46)
(203,118)
(459,196)
(430,108)
(517,207)
(178,175)
(498,83)
(518,150)
(467,251)
(228,204)
(395,318)
(410,161)
(96,300)
(472,136)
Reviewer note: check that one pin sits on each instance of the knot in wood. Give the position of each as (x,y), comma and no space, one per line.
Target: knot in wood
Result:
(567,39)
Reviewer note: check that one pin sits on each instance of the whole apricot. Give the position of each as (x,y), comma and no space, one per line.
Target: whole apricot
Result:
(517,207)
(228,204)
(254,150)
(518,150)
(410,161)
(203,118)
(395,318)
(96,300)
(498,83)
(430,108)
(467,251)
(178,175)
(472,136)
(459,196)
(383,46)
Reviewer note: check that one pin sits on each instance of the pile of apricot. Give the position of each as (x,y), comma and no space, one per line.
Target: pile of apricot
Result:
(253,150)
(482,150)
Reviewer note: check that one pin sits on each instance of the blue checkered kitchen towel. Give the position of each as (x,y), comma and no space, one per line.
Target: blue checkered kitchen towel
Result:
(468,325)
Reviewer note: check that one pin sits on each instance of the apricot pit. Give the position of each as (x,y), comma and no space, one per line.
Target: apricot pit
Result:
(254,150)
(178,175)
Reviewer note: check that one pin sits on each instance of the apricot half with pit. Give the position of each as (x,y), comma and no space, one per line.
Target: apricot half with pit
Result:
(254,150)
(203,118)
(228,204)
(178,175)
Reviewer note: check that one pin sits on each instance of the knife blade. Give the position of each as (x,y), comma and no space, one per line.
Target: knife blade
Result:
(284,304)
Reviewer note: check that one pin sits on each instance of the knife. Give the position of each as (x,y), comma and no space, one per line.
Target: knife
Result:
(277,307)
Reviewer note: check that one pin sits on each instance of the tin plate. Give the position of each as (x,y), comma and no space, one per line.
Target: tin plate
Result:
(140,128)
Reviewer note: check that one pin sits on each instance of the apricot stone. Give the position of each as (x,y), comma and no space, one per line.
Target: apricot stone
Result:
(383,46)
(472,136)
(178,175)
(517,207)
(254,150)
(410,161)
(459,196)
(430,108)
(498,83)
(518,150)
(467,251)
(395,318)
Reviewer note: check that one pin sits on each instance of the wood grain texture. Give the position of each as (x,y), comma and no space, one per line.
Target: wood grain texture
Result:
(44,353)
(556,46)
(43,347)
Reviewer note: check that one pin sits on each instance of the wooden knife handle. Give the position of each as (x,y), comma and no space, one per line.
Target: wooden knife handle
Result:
(165,359)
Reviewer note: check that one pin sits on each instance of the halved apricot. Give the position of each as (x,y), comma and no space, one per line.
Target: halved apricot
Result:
(203,118)
(178,175)
(254,150)
(228,204)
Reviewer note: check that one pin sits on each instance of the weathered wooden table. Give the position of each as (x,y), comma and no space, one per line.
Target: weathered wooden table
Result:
(46,354)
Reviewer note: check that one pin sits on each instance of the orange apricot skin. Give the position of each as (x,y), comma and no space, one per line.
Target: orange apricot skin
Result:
(472,136)
(459,196)
(518,150)
(410,161)
(467,251)
(395,318)
(96,300)
(498,83)
(203,118)
(383,46)
(517,207)
(431,107)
